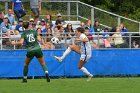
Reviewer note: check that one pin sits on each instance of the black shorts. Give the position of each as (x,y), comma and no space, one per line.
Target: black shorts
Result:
(37,53)
(35,12)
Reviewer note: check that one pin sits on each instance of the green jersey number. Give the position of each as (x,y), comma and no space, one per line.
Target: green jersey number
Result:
(31,37)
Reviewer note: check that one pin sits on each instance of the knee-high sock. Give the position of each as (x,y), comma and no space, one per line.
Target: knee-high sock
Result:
(25,71)
(85,71)
(45,69)
(66,53)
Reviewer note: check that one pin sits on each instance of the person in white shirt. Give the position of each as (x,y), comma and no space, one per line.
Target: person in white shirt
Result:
(118,39)
(84,49)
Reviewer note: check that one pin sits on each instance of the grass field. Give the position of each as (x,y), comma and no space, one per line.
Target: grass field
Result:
(74,85)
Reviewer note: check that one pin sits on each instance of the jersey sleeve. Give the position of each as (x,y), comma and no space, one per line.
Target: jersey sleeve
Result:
(82,36)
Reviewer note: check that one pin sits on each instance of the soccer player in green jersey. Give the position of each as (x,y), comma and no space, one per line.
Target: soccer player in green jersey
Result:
(33,49)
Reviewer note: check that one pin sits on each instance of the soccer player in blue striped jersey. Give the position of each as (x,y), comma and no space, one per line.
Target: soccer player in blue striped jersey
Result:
(84,49)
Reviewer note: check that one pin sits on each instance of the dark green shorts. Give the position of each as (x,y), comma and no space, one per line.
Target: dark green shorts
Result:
(37,53)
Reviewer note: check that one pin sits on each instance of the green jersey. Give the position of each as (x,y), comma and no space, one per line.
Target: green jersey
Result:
(30,37)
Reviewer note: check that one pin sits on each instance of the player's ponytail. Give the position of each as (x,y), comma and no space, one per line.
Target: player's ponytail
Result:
(26,25)
(80,29)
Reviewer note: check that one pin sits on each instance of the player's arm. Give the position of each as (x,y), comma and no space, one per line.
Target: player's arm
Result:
(20,42)
(38,38)
(82,39)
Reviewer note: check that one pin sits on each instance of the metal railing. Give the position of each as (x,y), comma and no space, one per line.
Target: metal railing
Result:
(130,40)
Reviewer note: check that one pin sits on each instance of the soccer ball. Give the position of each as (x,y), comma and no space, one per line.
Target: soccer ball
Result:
(55,40)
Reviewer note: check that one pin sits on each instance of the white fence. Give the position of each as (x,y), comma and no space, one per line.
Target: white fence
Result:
(130,40)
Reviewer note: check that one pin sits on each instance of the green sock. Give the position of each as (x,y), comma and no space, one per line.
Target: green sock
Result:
(25,71)
(45,68)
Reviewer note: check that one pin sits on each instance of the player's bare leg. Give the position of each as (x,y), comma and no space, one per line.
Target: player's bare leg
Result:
(80,66)
(25,70)
(73,47)
(43,64)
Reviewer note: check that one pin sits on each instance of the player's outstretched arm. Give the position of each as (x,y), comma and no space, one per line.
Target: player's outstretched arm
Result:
(82,40)
(38,38)
(20,42)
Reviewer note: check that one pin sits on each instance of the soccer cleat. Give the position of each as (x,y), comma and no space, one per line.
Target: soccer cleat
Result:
(89,78)
(24,80)
(58,58)
(47,77)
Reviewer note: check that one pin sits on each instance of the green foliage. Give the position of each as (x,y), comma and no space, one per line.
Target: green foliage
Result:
(136,14)
(127,8)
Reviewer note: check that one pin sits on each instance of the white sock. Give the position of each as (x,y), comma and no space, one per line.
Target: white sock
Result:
(25,77)
(66,53)
(85,71)
(46,72)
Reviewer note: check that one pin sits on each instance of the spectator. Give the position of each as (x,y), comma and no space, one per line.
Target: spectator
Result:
(7,28)
(106,30)
(56,32)
(42,24)
(31,21)
(46,44)
(69,31)
(34,26)
(118,39)
(135,44)
(90,37)
(107,41)
(47,27)
(62,38)
(19,26)
(124,34)
(39,31)
(49,35)
(123,29)
(135,40)
(36,9)
(113,30)
(59,22)
(82,25)
(49,20)
(1,17)
(89,25)
(62,33)
(96,26)
(18,9)
(11,16)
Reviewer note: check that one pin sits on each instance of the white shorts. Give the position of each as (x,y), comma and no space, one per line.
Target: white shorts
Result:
(85,57)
